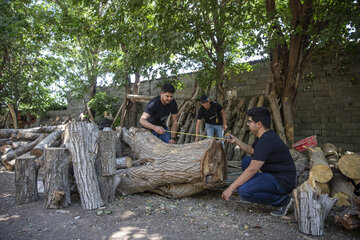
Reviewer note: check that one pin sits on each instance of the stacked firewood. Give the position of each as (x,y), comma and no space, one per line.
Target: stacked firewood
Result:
(335,174)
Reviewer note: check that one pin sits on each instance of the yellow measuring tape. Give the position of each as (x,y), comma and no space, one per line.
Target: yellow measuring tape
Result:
(192,134)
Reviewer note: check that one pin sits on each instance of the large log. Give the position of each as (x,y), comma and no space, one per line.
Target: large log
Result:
(311,208)
(203,161)
(26,170)
(275,109)
(50,139)
(57,177)
(124,162)
(82,144)
(349,165)
(342,189)
(319,166)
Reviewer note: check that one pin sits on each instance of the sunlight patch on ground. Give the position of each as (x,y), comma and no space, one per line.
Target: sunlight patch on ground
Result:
(4,195)
(127,214)
(134,233)
(7,217)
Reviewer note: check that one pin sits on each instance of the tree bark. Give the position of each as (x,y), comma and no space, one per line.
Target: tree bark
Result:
(51,138)
(57,177)
(13,116)
(275,109)
(203,161)
(105,159)
(26,171)
(342,189)
(83,148)
(311,208)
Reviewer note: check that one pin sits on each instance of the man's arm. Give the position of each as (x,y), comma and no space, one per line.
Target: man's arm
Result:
(249,172)
(174,125)
(243,146)
(198,122)
(224,119)
(144,121)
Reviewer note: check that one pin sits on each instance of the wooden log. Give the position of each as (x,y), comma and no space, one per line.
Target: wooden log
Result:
(311,208)
(349,165)
(82,145)
(17,144)
(275,109)
(25,136)
(5,141)
(171,164)
(350,217)
(319,166)
(342,189)
(323,188)
(191,130)
(260,103)
(57,177)
(105,159)
(20,151)
(13,115)
(179,190)
(302,165)
(124,162)
(185,128)
(329,149)
(26,170)
(38,150)
(7,133)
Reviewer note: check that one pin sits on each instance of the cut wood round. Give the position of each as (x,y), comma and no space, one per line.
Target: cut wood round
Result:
(26,170)
(311,209)
(203,161)
(82,145)
(349,165)
(51,138)
(124,162)
(342,189)
(57,177)
(319,166)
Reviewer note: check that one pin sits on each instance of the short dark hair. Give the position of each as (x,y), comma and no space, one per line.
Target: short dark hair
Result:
(204,99)
(168,87)
(260,114)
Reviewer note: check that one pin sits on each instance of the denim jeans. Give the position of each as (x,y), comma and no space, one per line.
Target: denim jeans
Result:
(211,128)
(262,188)
(164,137)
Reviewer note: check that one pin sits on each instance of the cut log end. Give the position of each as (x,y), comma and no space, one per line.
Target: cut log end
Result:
(321,173)
(36,152)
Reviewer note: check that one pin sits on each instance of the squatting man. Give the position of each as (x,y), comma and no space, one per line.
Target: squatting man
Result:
(269,174)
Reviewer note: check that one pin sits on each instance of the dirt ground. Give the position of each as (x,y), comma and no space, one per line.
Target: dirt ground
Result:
(149,216)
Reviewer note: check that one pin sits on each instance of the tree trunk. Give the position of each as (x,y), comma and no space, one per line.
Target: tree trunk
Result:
(83,148)
(202,161)
(275,109)
(26,171)
(319,166)
(13,116)
(311,208)
(51,138)
(57,177)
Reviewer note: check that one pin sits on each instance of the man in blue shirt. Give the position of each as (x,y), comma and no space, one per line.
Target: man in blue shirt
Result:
(157,111)
(274,184)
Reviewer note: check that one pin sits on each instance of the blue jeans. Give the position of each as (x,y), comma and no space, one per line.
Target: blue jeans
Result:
(211,128)
(262,188)
(164,137)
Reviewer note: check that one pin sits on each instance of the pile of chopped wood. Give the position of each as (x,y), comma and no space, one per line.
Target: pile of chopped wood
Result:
(332,173)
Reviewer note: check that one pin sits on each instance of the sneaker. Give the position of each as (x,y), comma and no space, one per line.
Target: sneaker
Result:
(243,200)
(281,211)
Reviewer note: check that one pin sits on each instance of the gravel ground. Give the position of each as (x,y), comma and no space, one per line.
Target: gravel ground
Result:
(149,216)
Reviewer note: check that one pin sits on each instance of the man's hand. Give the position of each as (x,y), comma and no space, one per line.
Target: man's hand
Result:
(159,130)
(172,141)
(229,138)
(227,193)
(225,127)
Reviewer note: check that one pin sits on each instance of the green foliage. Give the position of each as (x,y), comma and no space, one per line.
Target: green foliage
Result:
(102,102)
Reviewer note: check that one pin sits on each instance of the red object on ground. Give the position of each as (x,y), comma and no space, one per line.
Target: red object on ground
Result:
(304,144)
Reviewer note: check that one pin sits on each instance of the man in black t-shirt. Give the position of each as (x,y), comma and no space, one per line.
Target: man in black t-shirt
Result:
(214,115)
(274,184)
(157,111)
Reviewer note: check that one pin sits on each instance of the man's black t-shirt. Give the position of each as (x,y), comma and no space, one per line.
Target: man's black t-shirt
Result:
(278,161)
(159,112)
(212,114)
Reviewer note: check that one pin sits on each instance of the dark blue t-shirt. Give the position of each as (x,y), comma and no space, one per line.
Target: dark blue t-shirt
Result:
(278,161)
(211,116)
(159,112)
